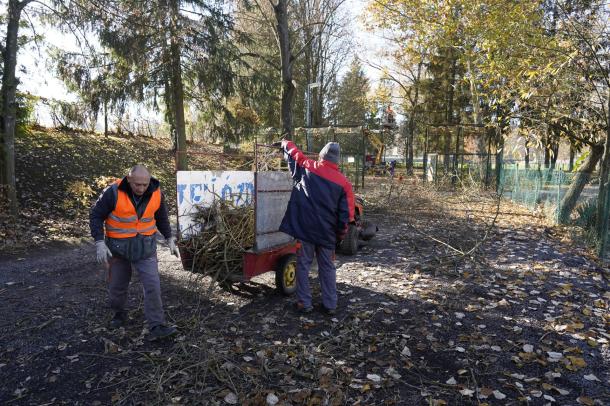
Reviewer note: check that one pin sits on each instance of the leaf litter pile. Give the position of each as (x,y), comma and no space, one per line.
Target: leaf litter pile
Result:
(459,299)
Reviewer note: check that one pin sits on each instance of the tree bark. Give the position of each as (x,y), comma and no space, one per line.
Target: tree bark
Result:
(567,204)
(499,160)
(477,116)
(105,118)
(177,92)
(554,154)
(288,90)
(449,112)
(603,195)
(411,134)
(9,106)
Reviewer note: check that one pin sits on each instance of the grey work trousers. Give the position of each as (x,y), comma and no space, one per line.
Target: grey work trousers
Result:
(327,274)
(118,286)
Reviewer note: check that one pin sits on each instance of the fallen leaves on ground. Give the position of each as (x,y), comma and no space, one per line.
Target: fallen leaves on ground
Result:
(513,321)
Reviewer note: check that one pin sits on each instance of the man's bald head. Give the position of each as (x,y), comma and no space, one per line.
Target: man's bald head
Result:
(139,170)
(139,179)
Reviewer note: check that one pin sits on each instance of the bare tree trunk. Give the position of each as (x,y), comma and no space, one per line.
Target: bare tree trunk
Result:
(405,136)
(9,106)
(604,188)
(499,159)
(177,93)
(476,111)
(449,117)
(572,155)
(450,90)
(288,89)
(410,138)
(105,118)
(567,204)
(555,154)
(411,134)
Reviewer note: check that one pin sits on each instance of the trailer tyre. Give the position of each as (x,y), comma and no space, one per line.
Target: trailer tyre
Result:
(349,245)
(286,274)
(368,230)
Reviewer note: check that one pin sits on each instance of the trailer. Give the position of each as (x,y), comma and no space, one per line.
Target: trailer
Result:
(269,193)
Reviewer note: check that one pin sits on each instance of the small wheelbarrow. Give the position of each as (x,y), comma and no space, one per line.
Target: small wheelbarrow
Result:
(269,192)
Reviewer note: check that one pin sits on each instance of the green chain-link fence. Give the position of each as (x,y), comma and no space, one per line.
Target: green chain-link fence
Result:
(464,168)
(537,187)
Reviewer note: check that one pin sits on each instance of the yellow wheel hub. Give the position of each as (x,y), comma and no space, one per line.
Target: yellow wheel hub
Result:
(290,272)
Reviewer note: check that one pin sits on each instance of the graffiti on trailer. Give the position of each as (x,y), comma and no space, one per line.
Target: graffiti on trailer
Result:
(194,193)
(200,188)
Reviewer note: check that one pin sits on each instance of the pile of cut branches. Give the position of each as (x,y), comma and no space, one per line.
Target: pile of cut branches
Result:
(225,231)
(268,158)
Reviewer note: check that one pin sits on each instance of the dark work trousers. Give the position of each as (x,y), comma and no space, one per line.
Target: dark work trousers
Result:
(327,274)
(120,276)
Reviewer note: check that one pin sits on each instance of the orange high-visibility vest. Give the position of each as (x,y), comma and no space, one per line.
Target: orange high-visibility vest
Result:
(123,222)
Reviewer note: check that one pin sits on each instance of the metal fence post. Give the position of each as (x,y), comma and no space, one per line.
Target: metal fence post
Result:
(559,176)
(456,156)
(357,172)
(515,189)
(488,162)
(425,163)
(363,155)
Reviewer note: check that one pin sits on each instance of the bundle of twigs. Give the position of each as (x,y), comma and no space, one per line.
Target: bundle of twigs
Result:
(225,231)
(268,158)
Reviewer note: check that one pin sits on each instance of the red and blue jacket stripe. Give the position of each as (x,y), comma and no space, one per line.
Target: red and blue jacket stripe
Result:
(322,201)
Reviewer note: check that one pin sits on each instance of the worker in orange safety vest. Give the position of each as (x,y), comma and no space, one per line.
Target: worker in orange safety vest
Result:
(124,222)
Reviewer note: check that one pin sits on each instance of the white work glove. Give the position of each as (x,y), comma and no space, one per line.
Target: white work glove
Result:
(171,243)
(103,252)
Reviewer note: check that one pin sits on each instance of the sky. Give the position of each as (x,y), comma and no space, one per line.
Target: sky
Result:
(367,43)
(34,69)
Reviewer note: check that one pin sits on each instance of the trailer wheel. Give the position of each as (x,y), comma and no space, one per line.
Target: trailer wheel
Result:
(368,230)
(349,245)
(286,274)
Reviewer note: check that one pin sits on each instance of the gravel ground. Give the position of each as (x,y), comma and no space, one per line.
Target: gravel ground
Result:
(523,318)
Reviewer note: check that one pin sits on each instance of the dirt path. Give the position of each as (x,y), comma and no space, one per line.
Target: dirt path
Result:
(415,326)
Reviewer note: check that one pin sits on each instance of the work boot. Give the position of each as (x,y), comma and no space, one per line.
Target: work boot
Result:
(161,331)
(326,311)
(299,307)
(118,320)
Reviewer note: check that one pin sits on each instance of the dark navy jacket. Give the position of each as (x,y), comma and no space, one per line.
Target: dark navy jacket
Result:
(107,201)
(322,202)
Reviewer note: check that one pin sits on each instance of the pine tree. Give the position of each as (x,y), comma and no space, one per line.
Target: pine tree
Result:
(179,49)
(351,105)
